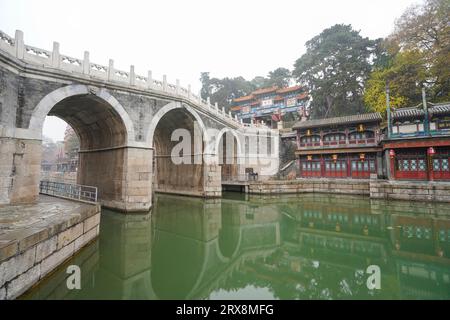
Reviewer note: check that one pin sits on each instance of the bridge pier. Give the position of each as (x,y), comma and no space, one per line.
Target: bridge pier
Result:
(20,164)
(122,176)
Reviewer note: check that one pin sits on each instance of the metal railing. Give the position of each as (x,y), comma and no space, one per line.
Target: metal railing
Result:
(68,190)
(256,177)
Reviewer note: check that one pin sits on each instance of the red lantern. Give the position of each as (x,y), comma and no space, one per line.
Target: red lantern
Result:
(392,153)
(431,151)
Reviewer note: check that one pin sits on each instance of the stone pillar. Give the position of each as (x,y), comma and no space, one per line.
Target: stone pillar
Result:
(122,176)
(212,177)
(138,177)
(20,164)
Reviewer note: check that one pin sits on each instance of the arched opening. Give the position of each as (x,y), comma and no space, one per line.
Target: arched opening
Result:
(60,147)
(102,135)
(228,155)
(178,152)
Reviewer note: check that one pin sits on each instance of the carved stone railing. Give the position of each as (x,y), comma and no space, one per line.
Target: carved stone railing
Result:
(53,59)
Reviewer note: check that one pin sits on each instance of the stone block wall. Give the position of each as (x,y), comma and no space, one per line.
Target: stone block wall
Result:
(338,186)
(375,188)
(20,165)
(408,190)
(34,253)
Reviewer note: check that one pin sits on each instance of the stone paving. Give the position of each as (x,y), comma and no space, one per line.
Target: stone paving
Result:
(35,239)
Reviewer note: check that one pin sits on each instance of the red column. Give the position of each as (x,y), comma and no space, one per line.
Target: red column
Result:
(349,173)
(322,166)
(392,163)
(430,154)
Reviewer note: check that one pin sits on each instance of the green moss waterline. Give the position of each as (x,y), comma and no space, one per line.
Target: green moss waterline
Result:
(306,246)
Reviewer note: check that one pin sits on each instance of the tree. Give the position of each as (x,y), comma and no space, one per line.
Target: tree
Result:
(259,82)
(49,150)
(419,55)
(223,91)
(206,86)
(279,77)
(334,68)
(404,75)
(426,30)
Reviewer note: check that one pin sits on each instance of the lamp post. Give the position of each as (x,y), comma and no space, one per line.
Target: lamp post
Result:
(430,153)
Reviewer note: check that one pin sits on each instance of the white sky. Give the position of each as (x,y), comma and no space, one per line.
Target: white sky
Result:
(182,38)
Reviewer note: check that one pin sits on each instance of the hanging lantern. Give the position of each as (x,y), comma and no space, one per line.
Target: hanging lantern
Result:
(309,157)
(308,132)
(361,128)
(334,157)
(392,153)
(362,156)
(431,151)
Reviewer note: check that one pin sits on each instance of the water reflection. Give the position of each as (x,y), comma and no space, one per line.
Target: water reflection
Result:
(285,247)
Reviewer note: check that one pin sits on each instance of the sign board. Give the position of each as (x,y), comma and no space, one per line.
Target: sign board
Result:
(267,102)
(445,124)
(291,102)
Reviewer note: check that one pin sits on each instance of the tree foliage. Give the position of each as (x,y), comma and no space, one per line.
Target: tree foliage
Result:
(279,77)
(223,91)
(419,55)
(334,68)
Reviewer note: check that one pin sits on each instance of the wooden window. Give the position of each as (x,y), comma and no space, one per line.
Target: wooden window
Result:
(441,164)
(411,164)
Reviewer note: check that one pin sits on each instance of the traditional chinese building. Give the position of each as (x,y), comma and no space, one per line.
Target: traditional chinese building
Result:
(417,146)
(341,147)
(272,105)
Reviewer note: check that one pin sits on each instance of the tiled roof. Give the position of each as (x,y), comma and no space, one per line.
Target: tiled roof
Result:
(407,113)
(274,89)
(418,112)
(441,108)
(288,135)
(356,118)
(302,96)
(289,89)
(265,90)
(244,98)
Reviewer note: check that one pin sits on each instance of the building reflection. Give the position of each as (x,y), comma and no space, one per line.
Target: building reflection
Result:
(295,247)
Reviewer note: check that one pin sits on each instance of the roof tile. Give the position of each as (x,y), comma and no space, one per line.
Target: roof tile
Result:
(356,118)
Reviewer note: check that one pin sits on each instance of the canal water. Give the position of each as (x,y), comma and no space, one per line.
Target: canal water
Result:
(251,247)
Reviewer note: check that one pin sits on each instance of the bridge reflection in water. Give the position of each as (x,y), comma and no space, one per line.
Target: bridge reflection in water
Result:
(283,247)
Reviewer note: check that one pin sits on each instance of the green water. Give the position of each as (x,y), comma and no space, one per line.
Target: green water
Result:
(284,247)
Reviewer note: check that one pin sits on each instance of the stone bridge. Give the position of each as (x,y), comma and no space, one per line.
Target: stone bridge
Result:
(125,123)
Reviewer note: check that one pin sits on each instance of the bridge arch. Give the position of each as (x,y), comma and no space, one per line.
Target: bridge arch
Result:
(228,153)
(47,103)
(166,109)
(105,131)
(174,125)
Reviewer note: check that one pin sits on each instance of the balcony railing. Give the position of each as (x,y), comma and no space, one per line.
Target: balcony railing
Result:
(330,144)
(68,190)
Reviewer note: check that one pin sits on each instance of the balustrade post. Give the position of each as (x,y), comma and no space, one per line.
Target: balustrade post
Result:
(111,69)
(86,63)
(164,82)
(55,55)
(132,76)
(20,47)
(149,79)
